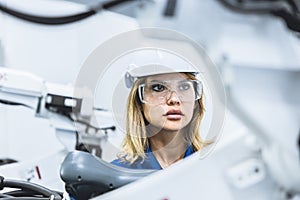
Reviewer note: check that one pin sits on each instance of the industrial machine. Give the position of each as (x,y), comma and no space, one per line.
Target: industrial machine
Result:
(257,156)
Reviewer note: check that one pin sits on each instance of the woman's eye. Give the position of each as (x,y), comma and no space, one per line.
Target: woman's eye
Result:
(158,87)
(184,86)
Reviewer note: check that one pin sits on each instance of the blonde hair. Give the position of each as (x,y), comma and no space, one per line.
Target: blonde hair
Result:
(136,142)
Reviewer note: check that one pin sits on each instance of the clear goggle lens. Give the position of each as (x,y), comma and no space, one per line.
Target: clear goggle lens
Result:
(158,92)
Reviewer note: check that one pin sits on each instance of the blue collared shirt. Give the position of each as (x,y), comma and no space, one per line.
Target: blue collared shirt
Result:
(149,162)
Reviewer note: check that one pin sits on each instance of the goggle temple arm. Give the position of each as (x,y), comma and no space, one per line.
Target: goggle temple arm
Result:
(129,80)
(198,89)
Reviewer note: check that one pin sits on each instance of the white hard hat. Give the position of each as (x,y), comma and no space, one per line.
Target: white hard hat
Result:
(156,61)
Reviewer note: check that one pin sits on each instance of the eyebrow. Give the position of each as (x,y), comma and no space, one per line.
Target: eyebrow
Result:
(159,81)
(165,82)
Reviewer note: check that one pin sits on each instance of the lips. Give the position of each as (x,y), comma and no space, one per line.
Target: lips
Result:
(174,114)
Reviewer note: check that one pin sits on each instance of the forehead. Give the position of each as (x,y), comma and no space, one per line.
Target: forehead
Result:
(166,77)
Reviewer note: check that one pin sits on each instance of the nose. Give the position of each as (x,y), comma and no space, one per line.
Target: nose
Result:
(173,99)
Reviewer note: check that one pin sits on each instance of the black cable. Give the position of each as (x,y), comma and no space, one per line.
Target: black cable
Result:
(299,143)
(239,8)
(94,127)
(110,4)
(30,186)
(87,123)
(294,6)
(25,198)
(23,193)
(291,18)
(1,182)
(64,19)
(47,20)
(292,21)
(11,103)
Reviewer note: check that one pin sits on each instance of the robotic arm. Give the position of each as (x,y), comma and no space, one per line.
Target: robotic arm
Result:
(49,100)
(53,101)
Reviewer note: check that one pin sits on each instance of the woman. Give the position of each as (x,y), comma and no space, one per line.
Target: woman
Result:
(164,112)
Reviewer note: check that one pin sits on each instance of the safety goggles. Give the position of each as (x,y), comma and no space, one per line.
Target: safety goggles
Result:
(158,92)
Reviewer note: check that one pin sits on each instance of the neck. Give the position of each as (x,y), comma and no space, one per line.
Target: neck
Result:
(168,147)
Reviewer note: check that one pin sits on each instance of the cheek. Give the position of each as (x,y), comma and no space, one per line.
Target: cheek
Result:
(189,110)
(152,113)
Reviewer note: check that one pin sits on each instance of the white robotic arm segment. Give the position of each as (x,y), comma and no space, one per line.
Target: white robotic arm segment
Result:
(20,87)
(25,83)
(23,88)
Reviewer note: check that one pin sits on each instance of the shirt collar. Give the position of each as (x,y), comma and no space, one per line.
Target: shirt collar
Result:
(151,160)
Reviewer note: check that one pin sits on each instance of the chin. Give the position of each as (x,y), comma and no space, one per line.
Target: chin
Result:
(173,127)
